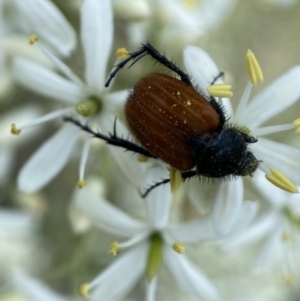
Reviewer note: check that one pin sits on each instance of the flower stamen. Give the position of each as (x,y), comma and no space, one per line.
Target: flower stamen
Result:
(296,123)
(14,130)
(253,68)
(114,248)
(122,53)
(190,3)
(142,158)
(179,247)
(80,184)
(175,178)
(32,39)
(286,237)
(84,290)
(289,280)
(220,90)
(281,181)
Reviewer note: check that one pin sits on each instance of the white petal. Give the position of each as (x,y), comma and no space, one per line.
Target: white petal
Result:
(127,161)
(55,28)
(226,206)
(105,215)
(188,277)
(35,290)
(131,10)
(118,279)
(96,36)
(276,197)
(246,215)
(260,228)
(271,251)
(45,81)
(200,66)
(285,158)
(203,70)
(61,66)
(214,12)
(12,222)
(159,200)
(197,230)
(48,160)
(280,95)
(116,100)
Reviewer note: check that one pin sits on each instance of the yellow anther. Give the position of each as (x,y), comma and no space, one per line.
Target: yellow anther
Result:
(290,280)
(142,158)
(80,184)
(244,129)
(114,248)
(122,53)
(286,237)
(220,90)
(190,3)
(175,179)
(281,181)
(14,130)
(84,290)
(179,247)
(296,123)
(253,68)
(32,39)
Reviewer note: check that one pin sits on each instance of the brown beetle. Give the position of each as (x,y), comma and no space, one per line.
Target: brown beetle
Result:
(180,124)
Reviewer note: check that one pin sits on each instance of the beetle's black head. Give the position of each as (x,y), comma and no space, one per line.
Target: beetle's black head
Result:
(224,154)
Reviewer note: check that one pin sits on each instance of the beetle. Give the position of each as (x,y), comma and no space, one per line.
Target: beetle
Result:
(180,124)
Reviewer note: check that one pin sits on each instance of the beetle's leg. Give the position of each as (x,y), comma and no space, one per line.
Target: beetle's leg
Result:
(185,176)
(154,53)
(111,139)
(164,181)
(221,74)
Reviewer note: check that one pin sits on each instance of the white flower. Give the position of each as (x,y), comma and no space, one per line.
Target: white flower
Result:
(10,144)
(280,95)
(131,10)
(177,23)
(89,98)
(33,289)
(20,18)
(154,236)
(18,240)
(278,230)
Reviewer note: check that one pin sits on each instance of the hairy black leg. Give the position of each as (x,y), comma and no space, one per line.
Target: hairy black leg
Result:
(148,190)
(154,53)
(111,139)
(185,176)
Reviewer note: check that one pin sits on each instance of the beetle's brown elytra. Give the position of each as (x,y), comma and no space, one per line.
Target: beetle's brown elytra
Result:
(162,111)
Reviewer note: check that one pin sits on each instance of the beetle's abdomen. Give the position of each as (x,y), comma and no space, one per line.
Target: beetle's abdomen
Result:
(162,112)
